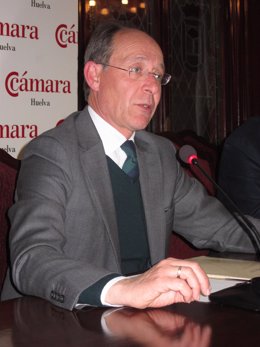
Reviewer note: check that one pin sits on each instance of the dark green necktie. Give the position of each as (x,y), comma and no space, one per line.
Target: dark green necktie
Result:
(130,166)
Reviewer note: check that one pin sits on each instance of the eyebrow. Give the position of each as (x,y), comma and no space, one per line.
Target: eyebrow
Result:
(141,58)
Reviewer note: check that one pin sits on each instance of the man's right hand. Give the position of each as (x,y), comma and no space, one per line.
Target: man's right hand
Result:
(169,281)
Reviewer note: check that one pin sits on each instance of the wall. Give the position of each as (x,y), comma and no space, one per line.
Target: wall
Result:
(38,68)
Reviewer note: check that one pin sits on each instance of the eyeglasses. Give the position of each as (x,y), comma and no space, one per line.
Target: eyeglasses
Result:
(136,73)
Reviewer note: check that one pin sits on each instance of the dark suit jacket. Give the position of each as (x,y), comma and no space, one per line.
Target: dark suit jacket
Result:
(64,233)
(239,169)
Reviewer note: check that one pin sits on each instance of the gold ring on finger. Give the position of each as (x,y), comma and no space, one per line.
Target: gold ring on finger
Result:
(178,275)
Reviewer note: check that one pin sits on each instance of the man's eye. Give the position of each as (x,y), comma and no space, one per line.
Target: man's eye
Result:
(135,69)
(157,76)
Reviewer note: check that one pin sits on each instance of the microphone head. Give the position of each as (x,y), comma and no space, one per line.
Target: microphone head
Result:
(188,154)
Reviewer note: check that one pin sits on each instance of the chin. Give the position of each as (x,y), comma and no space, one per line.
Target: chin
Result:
(141,123)
(140,127)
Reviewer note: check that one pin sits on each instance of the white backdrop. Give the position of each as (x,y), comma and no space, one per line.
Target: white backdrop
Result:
(38,68)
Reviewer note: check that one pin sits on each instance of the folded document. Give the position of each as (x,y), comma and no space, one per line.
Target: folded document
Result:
(224,273)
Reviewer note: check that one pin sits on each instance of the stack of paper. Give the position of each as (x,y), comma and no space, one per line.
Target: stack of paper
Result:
(229,268)
(224,273)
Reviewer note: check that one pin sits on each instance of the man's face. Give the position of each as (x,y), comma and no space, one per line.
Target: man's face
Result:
(129,104)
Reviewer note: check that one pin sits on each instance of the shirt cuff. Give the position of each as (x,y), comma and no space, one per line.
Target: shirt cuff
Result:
(106,288)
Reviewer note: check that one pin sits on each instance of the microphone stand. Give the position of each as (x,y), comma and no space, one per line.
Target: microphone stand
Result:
(247,224)
(243,295)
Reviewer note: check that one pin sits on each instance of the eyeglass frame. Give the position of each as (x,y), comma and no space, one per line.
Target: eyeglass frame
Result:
(156,76)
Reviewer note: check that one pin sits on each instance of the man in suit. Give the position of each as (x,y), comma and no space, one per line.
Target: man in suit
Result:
(83,231)
(239,168)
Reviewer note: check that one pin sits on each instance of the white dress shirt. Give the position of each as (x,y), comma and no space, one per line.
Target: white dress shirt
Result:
(111,138)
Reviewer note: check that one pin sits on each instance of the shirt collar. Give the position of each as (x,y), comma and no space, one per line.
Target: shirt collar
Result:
(110,137)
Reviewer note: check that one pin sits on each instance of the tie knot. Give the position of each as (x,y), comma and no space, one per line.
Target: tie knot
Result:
(129,148)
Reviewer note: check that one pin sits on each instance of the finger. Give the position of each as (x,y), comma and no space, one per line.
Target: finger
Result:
(202,278)
(188,275)
(198,278)
(188,271)
(164,287)
(183,291)
(175,282)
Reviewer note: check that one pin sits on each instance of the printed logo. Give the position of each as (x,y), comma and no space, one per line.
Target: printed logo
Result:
(65,36)
(18,131)
(15,84)
(20,31)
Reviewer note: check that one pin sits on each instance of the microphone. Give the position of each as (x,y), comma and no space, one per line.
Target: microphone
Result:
(243,295)
(188,155)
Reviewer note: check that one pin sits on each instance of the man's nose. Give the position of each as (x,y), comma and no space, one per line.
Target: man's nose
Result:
(151,85)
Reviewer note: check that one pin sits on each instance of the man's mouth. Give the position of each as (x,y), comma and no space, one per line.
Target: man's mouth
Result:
(146,106)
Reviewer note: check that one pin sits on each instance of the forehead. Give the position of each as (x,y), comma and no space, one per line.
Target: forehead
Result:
(131,45)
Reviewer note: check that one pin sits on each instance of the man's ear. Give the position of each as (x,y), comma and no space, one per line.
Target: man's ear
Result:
(92,74)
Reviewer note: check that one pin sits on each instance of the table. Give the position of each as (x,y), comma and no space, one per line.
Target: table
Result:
(33,322)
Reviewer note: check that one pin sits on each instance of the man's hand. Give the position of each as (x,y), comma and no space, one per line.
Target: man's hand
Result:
(169,281)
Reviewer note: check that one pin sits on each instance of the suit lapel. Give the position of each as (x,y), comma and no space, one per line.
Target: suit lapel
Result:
(97,177)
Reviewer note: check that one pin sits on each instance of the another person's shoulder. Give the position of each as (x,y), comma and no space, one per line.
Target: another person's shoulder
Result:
(249,127)
(246,135)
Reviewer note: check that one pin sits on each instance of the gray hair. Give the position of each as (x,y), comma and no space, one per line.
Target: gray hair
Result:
(100,46)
